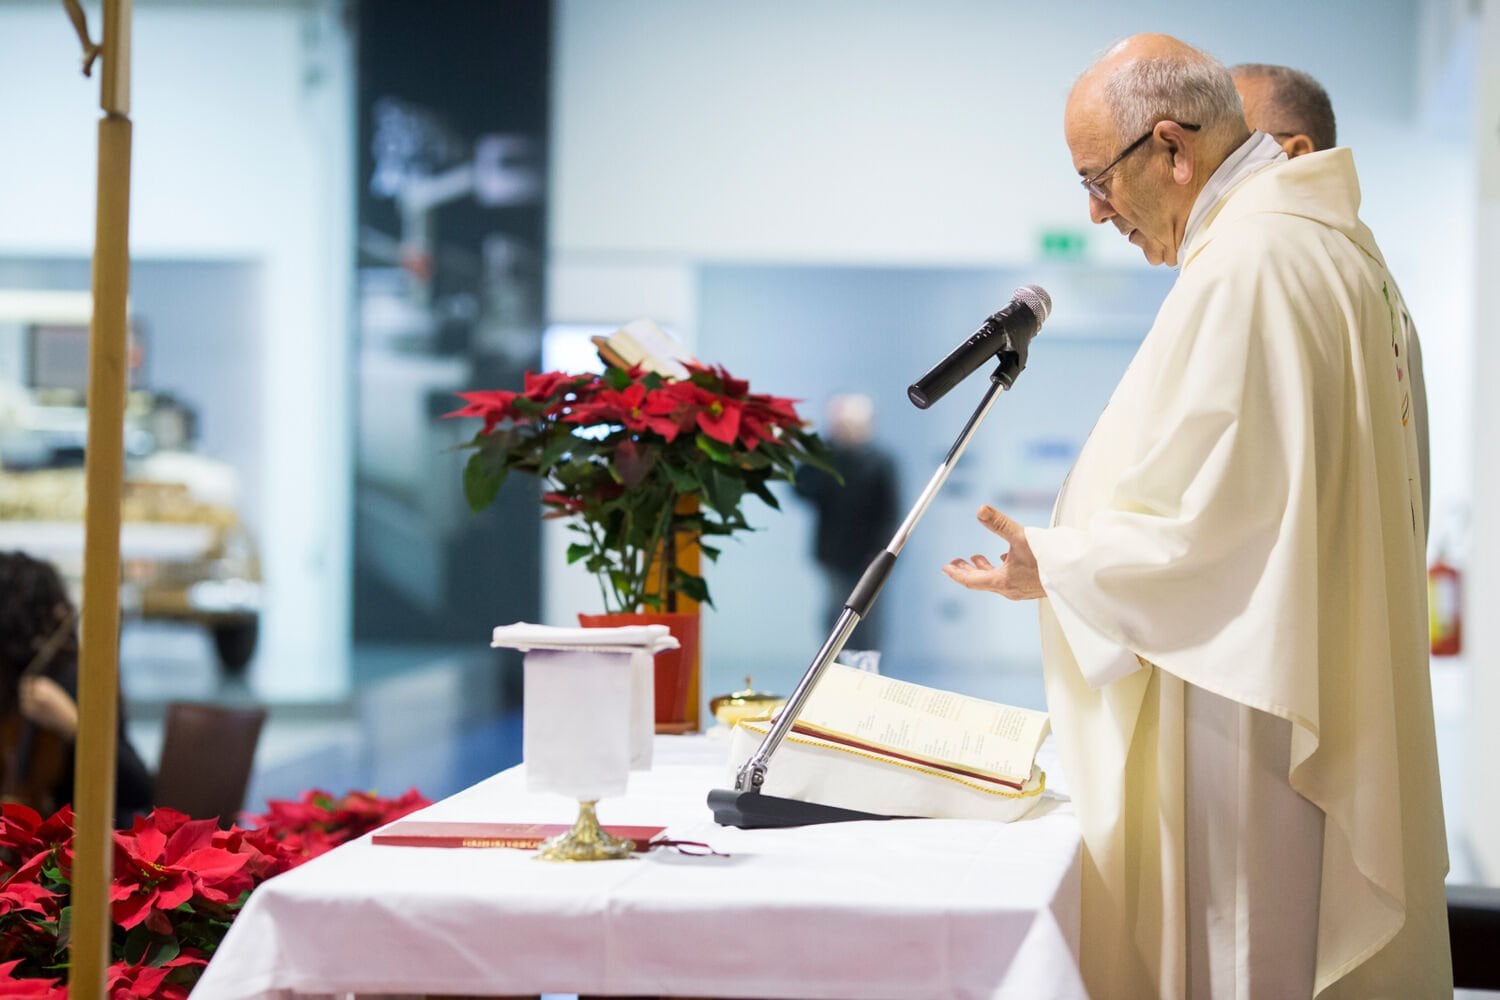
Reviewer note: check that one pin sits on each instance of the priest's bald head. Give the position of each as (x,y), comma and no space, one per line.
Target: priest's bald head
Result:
(1147,125)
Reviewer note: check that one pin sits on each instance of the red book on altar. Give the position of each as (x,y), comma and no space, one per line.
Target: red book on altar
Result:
(419,833)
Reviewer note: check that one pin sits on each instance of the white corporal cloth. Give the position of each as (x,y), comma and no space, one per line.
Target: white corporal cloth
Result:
(899,909)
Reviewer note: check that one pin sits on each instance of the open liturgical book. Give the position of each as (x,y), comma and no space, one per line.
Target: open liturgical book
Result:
(940,729)
(644,343)
(879,744)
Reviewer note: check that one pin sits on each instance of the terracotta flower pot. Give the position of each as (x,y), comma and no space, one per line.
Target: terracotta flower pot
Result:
(676,669)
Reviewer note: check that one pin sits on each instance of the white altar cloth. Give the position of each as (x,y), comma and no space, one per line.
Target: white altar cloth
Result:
(900,909)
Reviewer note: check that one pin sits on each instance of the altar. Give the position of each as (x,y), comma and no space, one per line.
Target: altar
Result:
(899,909)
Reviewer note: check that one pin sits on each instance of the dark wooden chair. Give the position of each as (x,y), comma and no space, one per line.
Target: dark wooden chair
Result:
(1474,936)
(206,754)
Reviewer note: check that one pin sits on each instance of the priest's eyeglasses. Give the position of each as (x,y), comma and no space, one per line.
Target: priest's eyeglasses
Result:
(1095,185)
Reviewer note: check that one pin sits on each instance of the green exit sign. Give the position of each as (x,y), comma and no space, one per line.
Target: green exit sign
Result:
(1067,244)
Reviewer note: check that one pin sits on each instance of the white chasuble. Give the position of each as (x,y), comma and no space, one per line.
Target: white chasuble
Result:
(1235,634)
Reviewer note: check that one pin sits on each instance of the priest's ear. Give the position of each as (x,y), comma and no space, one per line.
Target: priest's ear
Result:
(1296,145)
(1173,136)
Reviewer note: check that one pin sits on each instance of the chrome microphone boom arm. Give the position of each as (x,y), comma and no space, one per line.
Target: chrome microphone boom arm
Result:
(752,775)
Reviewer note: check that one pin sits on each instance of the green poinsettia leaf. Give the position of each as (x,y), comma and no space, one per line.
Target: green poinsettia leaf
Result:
(576,471)
(718,528)
(760,458)
(716,450)
(687,524)
(785,470)
(164,951)
(760,489)
(556,447)
(683,480)
(525,407)
(816,453)
(137,943)
(484,474)
(694,588)
(722,492)
(474,442)
(616,378)
(578,551)
(64,928)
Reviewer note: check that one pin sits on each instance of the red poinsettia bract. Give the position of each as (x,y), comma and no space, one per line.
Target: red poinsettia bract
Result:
(17,987)
(166,859)
(319,822)
(125,981)
(178,883)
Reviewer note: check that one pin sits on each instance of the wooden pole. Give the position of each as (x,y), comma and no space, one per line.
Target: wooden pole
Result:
(681,550)
(104,470)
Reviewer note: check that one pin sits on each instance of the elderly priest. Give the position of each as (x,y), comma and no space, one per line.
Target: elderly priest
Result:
(1232,588)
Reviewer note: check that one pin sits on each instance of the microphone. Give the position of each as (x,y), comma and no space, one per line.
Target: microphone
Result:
(1008,331)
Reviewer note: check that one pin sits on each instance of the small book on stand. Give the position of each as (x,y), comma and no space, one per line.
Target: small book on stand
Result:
(644,343)
(527,836)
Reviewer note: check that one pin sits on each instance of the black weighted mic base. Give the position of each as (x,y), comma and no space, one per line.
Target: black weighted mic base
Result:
(758,811)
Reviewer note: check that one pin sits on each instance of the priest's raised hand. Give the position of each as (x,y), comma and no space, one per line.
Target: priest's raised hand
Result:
(1015,578)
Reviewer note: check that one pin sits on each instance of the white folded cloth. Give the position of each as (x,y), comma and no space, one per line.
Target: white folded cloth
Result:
(589,708)
(525,635)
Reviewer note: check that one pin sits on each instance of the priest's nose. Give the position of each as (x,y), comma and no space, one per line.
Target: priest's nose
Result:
(1100,211)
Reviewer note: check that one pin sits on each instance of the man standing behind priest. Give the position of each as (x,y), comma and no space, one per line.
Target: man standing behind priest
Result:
(1232,590)
(1293,108)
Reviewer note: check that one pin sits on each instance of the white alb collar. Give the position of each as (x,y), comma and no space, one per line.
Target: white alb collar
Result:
(1254,153)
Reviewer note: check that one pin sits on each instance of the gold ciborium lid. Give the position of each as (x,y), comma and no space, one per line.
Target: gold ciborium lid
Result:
(740,706)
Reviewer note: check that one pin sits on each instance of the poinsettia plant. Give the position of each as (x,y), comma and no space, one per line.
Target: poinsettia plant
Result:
(619,451)
(178,884)
(319,822)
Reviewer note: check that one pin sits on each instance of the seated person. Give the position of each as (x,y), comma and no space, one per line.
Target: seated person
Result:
(38,696)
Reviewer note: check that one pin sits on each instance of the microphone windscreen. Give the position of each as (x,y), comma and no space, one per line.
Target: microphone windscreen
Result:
(1035,298)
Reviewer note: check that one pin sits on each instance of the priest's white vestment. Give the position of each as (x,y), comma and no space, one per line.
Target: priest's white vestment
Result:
(1235,632)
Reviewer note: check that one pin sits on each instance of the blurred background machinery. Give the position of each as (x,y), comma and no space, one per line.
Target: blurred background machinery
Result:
(186,554)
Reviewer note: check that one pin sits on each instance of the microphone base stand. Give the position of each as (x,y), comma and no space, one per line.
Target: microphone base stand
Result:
(747,805)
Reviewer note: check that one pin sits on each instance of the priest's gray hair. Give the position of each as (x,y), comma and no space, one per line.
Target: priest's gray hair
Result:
(1182,87)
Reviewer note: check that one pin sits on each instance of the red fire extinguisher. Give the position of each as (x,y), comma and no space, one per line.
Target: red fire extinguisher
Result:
(1445,615)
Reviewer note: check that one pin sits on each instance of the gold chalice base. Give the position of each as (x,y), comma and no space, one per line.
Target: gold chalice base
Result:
(586,841)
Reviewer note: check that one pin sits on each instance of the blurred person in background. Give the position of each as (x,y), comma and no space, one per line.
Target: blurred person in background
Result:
(854,520)
(39,692)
